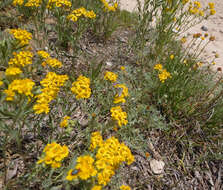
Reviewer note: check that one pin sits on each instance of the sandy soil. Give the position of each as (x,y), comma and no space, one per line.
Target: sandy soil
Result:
(214,25)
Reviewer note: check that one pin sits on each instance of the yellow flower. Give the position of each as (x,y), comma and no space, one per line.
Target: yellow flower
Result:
(33,3)
(12,71)
(96,187)
(81,87)
(201,13)
(105,175)
(51,84)
(21,86)
(158,67)
(64,123)
(41,108)
(123,92)
(1,83)
(212,11)
(110,76)
(58,3)
(125,187)
(84,168)
(197,4)
(122,68)
(21,35)
(72,174)
(118,115)
(96,140)
(21,59)
(43,54)
(109,157)
(17,2)
(211,5)
(109,7)
(53,62)
(171,56)
(54,154)
(75,14)
(90,14)
(164,75)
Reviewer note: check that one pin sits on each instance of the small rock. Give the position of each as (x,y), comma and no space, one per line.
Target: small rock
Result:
(157,166)
(123,40)
(108,63)
(204,28)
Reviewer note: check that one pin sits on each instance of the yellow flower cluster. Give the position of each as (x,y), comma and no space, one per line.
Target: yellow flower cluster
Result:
(52,62)
(171,56)
(116,112)
(58,3)
(163,74)
(75,14)
(21,35)
(118,115)
(125,187)
(64,122)
(158,67)
(84,169)
(12,71)
(110,7)
(96,140)
(54,154)
(51,85)
(96,187)
(211,7)
(110,155)
(49,60)
(81,87)
(194,8)
(21,86)
(110,76)
(17,2)
(33,3)
(21,59)
(120,97)
(43,54)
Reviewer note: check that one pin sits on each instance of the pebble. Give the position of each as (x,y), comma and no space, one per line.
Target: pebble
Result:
(157,166)
(204,28)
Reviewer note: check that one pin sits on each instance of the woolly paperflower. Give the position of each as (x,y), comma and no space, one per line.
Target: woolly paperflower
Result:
(12,71)
(81,87)
(118,115)
(84,167)
(125,187)
(64,122)
(110,76)
(54,154)
(21,35)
